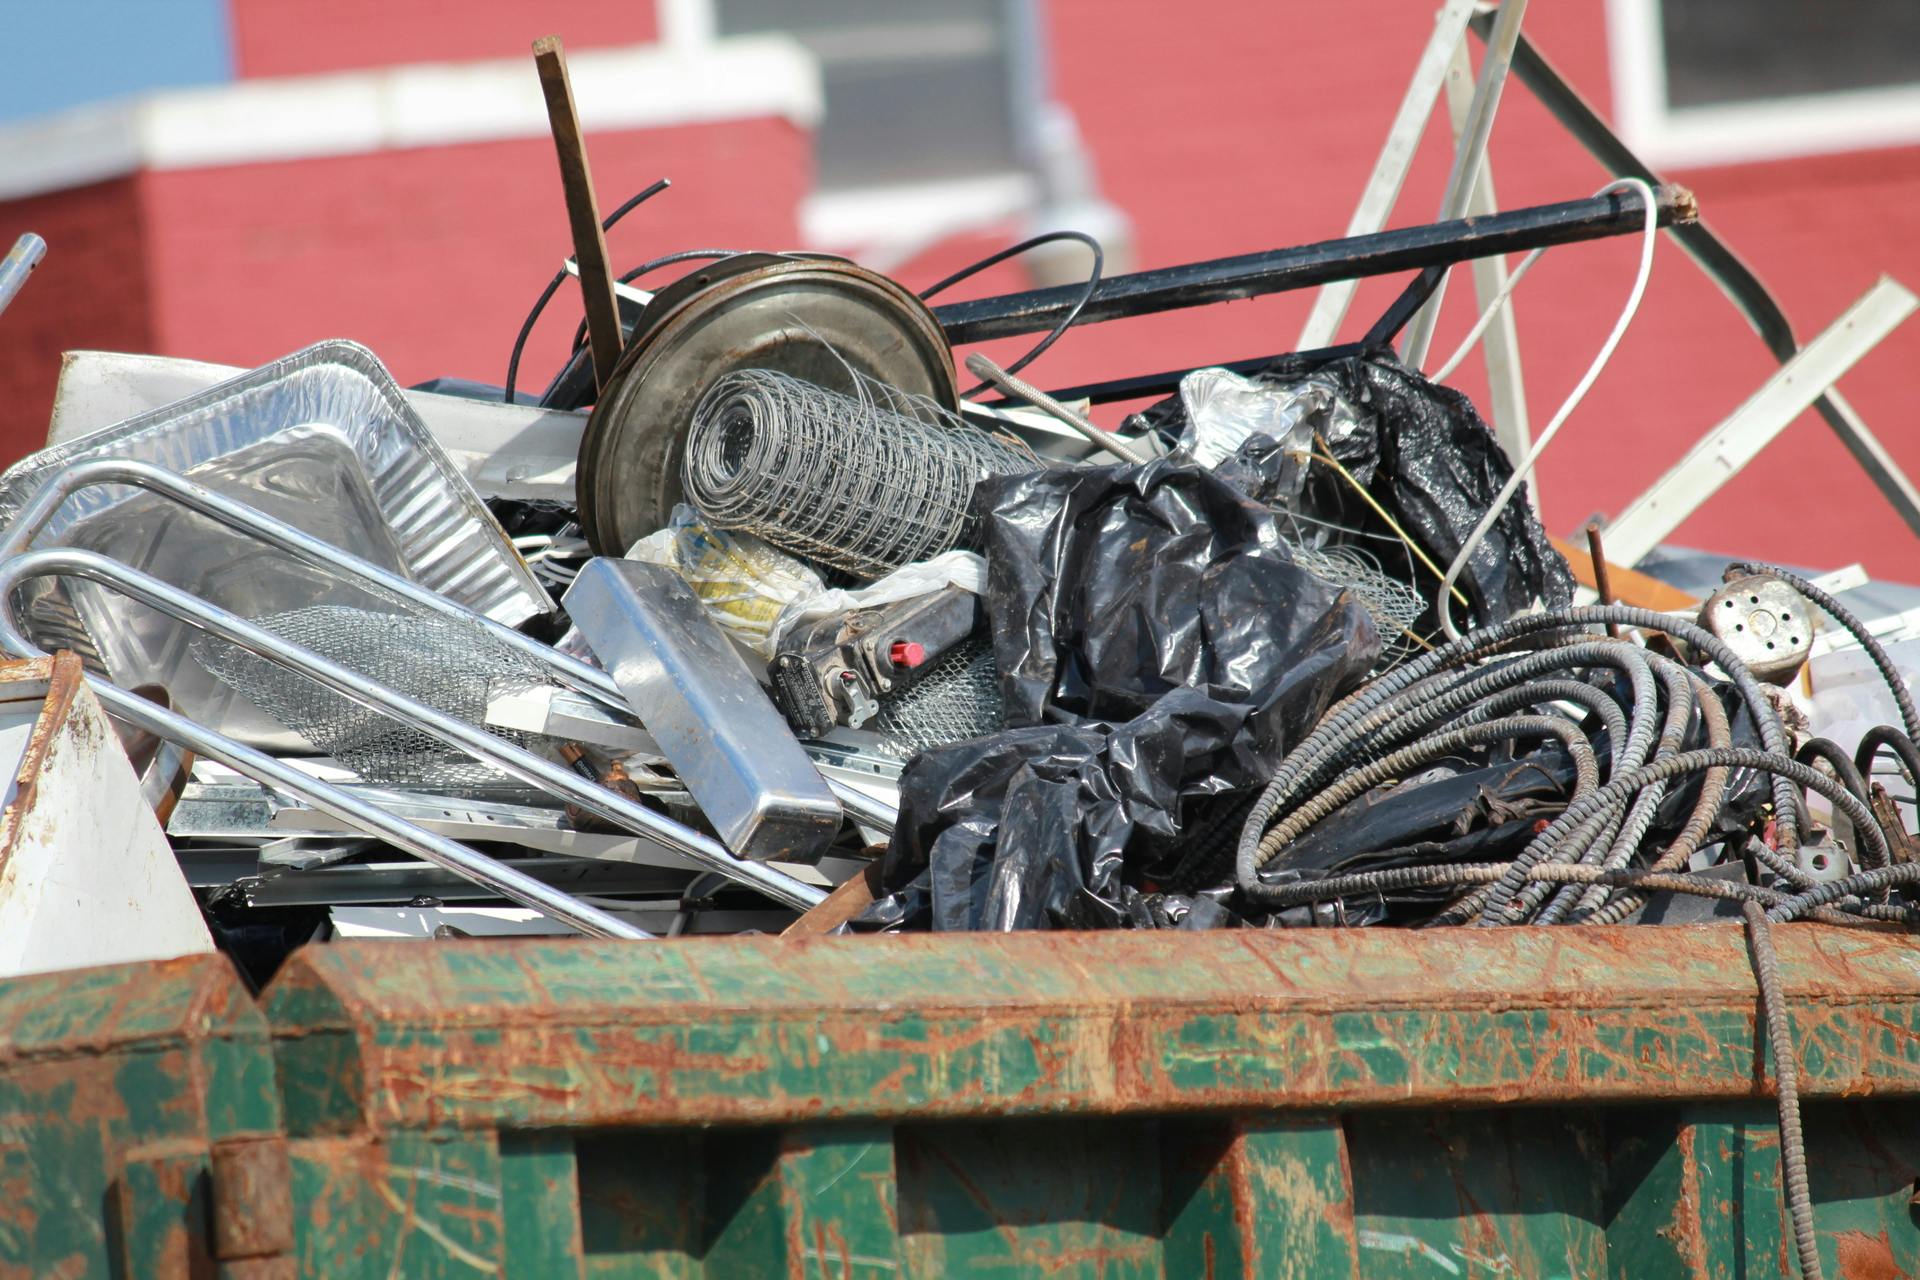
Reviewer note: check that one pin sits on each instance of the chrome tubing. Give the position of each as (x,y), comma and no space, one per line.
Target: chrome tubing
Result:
(481,745)
(581,676)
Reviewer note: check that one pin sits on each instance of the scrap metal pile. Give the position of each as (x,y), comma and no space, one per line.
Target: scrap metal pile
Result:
(789,633)
(833,628)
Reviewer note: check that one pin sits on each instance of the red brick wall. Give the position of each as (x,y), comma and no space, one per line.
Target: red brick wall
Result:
(1256,128)
(431,257)
(1249,127)
(302,37)
(91,291)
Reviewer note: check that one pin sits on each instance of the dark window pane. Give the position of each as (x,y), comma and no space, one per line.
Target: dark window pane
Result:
(915,89)
(1721,51)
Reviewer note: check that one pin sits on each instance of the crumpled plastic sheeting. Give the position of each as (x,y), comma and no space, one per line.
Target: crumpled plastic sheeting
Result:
(1425,454)
(1157,646)
(1109,586)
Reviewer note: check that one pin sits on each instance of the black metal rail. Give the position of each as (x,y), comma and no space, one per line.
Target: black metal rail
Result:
(1251,275)
(1713,255)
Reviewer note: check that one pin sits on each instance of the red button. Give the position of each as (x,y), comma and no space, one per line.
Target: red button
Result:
(906,653)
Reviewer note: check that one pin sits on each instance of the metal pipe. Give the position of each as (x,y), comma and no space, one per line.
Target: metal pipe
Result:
(509,883)
(481,745)
(981,367)
(1469,157)
(1383,332)
(1396,157)
(581,676)
(1721,265)
(1278,270)
(19,264)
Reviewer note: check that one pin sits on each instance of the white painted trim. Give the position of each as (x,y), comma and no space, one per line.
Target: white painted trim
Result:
(1724,451)
(925,211)
(1744,132)
(687,24)
(422,105)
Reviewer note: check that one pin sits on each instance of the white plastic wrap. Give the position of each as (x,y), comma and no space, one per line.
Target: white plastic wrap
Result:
(1224,410)
(962,569)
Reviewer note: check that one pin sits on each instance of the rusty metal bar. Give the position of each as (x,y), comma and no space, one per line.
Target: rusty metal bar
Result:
(604,335)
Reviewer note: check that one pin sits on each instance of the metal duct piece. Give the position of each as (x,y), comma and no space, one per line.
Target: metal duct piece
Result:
(712,721)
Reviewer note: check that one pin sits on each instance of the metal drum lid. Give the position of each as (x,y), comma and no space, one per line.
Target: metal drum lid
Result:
(813,318)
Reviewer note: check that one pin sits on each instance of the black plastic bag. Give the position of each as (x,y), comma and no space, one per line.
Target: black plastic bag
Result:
(1157,647)
(1424,454)
(1109,586)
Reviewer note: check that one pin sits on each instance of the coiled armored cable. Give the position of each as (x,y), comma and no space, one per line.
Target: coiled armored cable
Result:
(1713,785)
(1579,863)
(1786,1078)
(1351,725)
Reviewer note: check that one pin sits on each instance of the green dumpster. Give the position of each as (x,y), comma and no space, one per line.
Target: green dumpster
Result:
(1513,1103)
(140,1127)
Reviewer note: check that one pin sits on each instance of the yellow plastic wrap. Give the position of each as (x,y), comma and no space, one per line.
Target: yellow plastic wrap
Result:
(744,582)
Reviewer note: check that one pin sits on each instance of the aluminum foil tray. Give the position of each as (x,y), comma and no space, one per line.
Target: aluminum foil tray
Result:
(322,439)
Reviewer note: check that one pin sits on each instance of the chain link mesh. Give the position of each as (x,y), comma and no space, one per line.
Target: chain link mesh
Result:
(863,483)
(451,666)
(958,699)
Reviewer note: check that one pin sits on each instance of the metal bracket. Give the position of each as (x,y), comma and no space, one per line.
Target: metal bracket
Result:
(1720,454)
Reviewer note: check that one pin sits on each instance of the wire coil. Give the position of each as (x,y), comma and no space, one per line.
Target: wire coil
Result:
(864,483)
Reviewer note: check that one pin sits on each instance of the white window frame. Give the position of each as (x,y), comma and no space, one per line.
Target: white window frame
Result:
(1739,133)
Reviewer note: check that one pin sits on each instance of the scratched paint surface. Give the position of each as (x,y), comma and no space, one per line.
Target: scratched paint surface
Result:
(1532,1103)
(769,1031)
(113,1084)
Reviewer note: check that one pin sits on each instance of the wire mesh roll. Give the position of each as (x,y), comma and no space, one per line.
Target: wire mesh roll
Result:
(864,483)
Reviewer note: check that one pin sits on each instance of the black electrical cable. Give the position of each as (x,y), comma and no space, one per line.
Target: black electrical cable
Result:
(553,286)
(684,255)
(1892,739)
(1826,751)
(688,255)
(1066,322)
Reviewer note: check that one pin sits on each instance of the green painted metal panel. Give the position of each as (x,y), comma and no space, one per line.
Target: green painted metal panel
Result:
(1497,1104)
(423,1206)
(114,1085)
(1268,1197)
(1314,1104)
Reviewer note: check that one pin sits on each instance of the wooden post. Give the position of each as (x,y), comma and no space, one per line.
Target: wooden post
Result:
(583,212)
